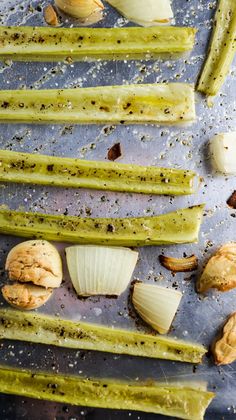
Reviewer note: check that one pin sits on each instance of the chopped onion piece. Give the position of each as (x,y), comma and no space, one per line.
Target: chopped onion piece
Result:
(145,13)
(223,152)
(156,305)
(100,270)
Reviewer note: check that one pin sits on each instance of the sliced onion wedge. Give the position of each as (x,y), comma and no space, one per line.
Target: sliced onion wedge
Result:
(156,305)
(145,13)
(100,270)
(223,152)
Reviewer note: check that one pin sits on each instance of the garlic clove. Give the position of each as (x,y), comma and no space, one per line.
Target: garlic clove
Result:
(50,15)
(156,305)
(26,296)
(81,9)
(179,265)
(35,261)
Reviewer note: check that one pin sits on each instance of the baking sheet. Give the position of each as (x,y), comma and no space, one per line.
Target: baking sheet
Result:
(181,147)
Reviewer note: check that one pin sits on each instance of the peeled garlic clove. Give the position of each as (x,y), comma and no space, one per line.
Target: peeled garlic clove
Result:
(220,271)
(35,261)
(81,9)
(156,305)
(26,296)
(100,270)
(145,13)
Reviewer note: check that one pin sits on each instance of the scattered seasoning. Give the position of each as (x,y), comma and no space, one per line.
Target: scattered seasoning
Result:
(110,228)
(231,202)
(114,152)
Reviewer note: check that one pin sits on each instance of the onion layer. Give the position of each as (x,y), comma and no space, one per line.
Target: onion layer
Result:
(145,13)
(223,152)
(100,270)
(156,305)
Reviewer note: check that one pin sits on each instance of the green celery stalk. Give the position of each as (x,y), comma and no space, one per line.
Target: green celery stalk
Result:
(222,49)
(181,226)
(65,172)
(55,44)
(39,328)
(175,400)
(150,103)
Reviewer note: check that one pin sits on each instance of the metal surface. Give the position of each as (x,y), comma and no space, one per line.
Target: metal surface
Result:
(181,147)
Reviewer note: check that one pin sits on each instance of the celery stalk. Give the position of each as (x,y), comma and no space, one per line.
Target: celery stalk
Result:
(181,226)
(65,172)
(39,328)
(56,44)
(182,401)
(222,49)
(150,103)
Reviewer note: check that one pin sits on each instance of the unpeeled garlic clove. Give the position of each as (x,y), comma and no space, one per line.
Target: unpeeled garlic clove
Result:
(50,15)
(81,9)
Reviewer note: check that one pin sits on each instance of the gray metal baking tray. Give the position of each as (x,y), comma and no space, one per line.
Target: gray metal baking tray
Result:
(181,147)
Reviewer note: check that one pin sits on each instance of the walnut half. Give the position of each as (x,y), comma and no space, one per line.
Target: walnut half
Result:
(224,349)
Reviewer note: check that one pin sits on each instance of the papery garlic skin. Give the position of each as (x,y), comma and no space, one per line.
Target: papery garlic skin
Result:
(220,271)
(145,13)
(81,9)
(156,305)
(223,152)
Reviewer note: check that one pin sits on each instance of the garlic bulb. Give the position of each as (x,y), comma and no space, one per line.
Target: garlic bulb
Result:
(145,12)
(220,271)
(26,296)
(224,349)
(35,261)
(223,152)
(100,270)
(156,305)
(80,9)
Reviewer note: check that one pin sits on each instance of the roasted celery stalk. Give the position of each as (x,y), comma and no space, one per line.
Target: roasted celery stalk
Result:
(181,226)
(182,401)
(55,44)
(222,49)
(64,172)
(157,103)
(38,328)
